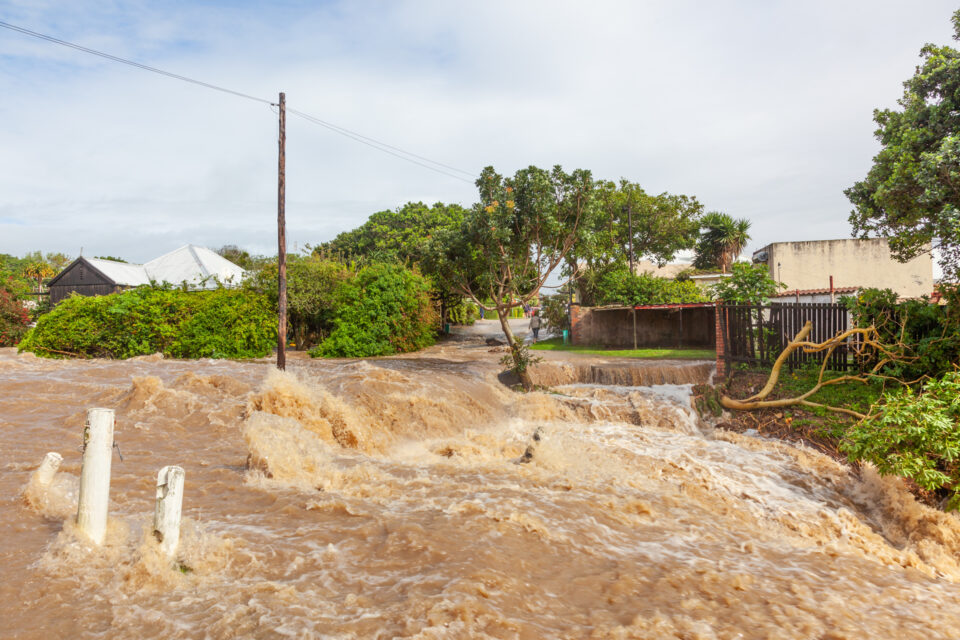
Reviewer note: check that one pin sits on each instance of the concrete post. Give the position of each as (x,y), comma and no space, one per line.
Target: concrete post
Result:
(43,476)
(166,515)
(95,474)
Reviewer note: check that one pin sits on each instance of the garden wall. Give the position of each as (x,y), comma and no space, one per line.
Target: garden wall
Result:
(663,328)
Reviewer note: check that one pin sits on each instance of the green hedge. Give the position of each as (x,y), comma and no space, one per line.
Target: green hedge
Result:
(383,310)
(224,323)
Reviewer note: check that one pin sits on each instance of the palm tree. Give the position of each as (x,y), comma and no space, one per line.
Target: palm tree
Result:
(39,271)
(722,238)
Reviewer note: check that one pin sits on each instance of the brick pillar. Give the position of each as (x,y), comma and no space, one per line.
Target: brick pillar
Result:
(574,322)
(721,345)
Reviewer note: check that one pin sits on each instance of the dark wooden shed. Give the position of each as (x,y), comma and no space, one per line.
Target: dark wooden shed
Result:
(90,277)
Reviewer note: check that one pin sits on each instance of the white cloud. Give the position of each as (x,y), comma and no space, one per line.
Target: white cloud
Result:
(761,110)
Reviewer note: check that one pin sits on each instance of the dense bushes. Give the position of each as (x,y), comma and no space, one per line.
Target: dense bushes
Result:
(622,287)
(13,317)
(382,310)
(181,324)
(924,336)
(915,435)
(311,288)
(463,313)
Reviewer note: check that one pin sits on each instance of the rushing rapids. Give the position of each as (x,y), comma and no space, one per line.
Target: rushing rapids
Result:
(383,498)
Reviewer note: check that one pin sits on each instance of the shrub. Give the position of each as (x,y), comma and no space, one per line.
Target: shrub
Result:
(622,287)
(13,317)
(915,435)
(384,309)
(182,324)
(925,335)
(747,284)
(311,286)
(463,313)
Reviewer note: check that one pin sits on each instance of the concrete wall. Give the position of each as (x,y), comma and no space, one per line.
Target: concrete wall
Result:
(852,263)
(656,328)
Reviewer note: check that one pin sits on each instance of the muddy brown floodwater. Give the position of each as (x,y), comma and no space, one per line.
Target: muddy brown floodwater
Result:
(382,498)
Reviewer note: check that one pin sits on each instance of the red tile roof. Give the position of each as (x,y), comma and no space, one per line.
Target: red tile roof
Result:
(813,292)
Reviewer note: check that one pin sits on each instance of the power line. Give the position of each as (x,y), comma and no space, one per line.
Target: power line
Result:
(397,152)
(108,56)
(380,146)
(355,135)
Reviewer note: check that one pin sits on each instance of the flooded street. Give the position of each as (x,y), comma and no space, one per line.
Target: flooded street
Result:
(383,498)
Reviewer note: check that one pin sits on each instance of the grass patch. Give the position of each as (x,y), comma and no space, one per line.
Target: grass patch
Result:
(556,344)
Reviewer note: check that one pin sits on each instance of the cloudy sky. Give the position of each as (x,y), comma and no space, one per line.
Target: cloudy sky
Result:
(761,109)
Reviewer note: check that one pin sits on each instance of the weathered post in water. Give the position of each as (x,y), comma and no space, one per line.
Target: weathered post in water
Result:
(169,506)
(43,476)
(95,474)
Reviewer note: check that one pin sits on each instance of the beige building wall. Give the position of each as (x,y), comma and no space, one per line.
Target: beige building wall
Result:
(851,262)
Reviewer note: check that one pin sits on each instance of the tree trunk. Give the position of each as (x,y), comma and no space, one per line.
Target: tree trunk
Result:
(523,374)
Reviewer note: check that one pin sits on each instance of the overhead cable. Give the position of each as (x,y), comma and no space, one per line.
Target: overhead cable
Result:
(409,157)
(108,56)
(357,137)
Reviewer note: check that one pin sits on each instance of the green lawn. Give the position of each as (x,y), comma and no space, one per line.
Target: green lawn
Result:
(556,344)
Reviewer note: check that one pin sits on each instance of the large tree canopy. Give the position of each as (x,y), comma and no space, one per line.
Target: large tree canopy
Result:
(662,225)
(397,235)
(912,193)
(510,242)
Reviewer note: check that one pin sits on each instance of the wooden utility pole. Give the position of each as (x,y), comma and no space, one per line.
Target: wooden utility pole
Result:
(282,239)
(630,256)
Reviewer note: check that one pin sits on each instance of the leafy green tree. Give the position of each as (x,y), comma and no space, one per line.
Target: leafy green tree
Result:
(748,284)
(397,235)
(401,235)
(113,258)
(58,261)
(662,225)
(510,243)
(911,195)
(722,238)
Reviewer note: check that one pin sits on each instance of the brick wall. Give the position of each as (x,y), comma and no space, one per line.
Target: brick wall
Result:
(721,348)
(575,327)
(655,328)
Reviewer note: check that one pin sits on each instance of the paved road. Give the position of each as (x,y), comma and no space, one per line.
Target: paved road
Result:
(492,329)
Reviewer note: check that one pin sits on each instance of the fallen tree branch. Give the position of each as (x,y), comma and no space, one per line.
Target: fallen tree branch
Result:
(870,339)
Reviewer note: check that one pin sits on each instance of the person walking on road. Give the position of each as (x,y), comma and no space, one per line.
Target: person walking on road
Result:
(535,325)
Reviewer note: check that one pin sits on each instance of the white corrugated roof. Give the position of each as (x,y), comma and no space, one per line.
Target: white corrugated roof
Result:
(121,272)
(197,266)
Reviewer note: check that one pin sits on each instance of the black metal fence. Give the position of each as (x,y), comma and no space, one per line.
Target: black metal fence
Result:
(757,334)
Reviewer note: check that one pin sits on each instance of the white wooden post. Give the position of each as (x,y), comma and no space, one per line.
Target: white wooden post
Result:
(95,474)
(43,476)
(166,515)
